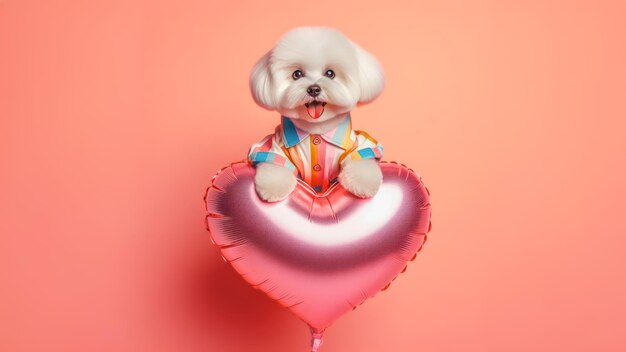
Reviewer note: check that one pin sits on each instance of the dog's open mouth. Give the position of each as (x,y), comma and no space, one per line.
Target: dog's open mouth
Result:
(315,108)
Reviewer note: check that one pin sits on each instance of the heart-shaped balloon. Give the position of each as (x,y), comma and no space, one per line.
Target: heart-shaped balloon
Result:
(319,255)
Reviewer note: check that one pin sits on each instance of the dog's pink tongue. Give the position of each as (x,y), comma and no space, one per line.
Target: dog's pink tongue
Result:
(315,110)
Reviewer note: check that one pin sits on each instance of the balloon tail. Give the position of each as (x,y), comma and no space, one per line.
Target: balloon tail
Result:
(316,340)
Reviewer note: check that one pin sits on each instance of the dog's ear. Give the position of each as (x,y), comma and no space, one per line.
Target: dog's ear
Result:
(261,85)
(371,77)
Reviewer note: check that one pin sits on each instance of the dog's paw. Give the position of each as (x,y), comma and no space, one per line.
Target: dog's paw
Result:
(361,177)
(273,182)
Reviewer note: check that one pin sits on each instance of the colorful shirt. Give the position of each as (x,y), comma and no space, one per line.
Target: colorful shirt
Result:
(315,158)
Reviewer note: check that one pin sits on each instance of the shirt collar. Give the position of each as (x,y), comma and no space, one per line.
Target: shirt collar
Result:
(342,136)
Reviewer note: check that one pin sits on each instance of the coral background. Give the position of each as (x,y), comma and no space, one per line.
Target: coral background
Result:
(115,114)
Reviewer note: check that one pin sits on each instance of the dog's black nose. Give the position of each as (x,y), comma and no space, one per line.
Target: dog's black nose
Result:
(314,90)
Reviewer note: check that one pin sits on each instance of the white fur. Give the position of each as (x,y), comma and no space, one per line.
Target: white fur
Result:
(273,182)
(361,177)
(358,79)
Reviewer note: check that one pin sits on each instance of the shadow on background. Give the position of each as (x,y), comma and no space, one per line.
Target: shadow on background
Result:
(226,311)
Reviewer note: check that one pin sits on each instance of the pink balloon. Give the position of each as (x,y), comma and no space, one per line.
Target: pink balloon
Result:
(319,255)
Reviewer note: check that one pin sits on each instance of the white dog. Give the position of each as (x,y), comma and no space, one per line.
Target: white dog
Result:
(314,77)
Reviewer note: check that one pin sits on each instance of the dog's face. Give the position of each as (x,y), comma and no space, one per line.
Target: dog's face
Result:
(315,74)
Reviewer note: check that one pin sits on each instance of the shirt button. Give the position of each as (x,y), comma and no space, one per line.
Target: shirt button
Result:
(317,140)
(317,167)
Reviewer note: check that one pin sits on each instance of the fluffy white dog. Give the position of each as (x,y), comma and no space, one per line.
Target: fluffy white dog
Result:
(314,77)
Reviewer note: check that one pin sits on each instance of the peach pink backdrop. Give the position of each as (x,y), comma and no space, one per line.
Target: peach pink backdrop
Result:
(114,115)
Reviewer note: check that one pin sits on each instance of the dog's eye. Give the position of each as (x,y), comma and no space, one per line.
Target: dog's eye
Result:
(330,74)
(297,74)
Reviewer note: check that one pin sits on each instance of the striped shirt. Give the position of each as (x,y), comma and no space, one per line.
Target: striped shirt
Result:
(314,158)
